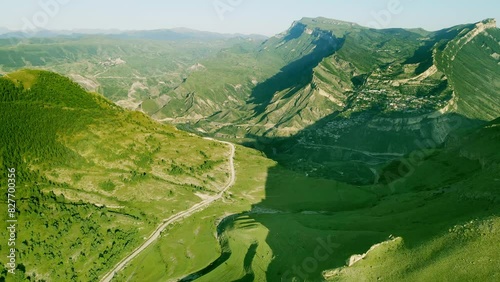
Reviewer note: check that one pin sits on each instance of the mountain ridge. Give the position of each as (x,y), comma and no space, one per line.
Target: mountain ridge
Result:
(168,33)
(302,30)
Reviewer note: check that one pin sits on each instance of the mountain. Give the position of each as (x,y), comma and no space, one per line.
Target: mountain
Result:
(349,63)
(181,34)
(127,71)
(44,33)
(312,93)
(40,33)
(4,30)
(332,85)
(92,179)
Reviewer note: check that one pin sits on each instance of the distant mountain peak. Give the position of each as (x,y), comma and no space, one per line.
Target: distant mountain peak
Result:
(489,23)
(337,27)
(322,20)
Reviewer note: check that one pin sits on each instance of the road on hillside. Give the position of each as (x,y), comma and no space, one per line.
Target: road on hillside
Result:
(177,217)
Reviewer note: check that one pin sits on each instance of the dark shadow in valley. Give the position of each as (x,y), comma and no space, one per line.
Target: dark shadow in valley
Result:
(247,264)
(354,149)
(315,224)
(423,56)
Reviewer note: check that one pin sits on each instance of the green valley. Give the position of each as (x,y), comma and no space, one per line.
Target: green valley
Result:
(328,152)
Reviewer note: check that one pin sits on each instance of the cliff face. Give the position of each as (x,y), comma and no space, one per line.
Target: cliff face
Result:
(471,64)
(455,46)
(369,105)
(348,85)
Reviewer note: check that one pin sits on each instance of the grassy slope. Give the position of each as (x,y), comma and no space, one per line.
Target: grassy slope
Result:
(89,172)
(187,247)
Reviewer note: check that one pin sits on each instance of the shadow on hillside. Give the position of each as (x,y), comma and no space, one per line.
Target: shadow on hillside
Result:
(347,228)
(315,224)
(293,76)
(317,228)
(423,56)
(311,230)
(353,150)
(329,198)
(319,224)
(304,243)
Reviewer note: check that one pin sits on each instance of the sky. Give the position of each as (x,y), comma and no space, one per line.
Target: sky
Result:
(267,17)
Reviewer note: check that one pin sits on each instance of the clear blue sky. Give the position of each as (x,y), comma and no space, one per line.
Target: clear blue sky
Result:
(241,16)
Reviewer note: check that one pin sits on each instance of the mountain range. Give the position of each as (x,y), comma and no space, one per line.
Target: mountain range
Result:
(317,92)
(356,154)
(159,34)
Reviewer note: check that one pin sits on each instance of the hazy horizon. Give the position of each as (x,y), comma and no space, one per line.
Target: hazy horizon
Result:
(237,16)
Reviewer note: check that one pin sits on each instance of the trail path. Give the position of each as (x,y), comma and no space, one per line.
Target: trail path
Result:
(177,217)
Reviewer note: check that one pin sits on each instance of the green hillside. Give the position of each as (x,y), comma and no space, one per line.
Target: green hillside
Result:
(364,154)
(92,178)
(472,64)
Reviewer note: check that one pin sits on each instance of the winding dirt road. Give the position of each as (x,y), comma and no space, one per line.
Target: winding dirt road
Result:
(177,217)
